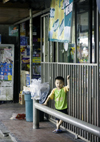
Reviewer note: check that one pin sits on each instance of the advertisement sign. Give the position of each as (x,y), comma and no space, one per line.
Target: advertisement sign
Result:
(36,60)
(25,60)
(22,29)
(13,31)
(60,20)
(23,40)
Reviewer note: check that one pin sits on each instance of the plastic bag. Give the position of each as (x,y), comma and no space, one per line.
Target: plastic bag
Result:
(39,91)
(26,93)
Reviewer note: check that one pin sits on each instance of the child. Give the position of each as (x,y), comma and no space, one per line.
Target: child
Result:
(60,97)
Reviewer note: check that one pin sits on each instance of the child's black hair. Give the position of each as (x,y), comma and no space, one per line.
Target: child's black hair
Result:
(59,78)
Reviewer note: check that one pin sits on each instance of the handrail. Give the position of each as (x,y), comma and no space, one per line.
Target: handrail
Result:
(76,64)
(66,118)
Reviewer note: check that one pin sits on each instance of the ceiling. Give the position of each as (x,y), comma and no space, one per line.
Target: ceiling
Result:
(12,11)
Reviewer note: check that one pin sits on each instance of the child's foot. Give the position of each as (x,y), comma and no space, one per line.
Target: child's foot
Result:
(57,131)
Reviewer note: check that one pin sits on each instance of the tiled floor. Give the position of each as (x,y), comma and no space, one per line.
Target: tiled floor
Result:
(23,130)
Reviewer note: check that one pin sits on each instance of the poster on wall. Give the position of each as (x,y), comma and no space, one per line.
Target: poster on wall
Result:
(13,30)
(6,71)
(60,20)
(23,39)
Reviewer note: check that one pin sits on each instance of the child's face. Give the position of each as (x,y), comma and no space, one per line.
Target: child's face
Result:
(59,84)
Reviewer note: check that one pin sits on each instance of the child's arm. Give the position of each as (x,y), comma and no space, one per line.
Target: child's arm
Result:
(48,98)
(68,77)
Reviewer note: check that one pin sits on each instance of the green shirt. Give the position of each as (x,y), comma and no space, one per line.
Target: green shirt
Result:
(60,97)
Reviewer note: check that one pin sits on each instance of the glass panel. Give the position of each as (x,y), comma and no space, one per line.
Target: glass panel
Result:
(66,51)
(47,46)
(82,32)
(51,51)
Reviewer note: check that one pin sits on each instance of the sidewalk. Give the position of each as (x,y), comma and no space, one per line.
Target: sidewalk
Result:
(22,131)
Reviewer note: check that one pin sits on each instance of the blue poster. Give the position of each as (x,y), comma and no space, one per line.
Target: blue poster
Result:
(23,40)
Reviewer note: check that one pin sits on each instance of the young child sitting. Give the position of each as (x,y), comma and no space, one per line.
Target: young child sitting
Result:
(59,94)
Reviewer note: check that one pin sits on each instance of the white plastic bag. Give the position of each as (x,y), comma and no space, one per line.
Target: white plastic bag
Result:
(39,90)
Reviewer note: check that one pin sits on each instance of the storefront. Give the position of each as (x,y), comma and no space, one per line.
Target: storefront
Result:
(80,58)
(25,52)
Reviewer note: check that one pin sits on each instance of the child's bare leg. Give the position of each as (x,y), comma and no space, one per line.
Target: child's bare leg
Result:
(58,124)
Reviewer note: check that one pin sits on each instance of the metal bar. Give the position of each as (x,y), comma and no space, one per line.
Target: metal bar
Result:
(68,71)
(52,75)
(76,95)
(95,49)
(71,99)
(66,83)
(85,95)
(95,101)
(44,39)
(75,33)
(80,96)
(68,96)
(80,92)
(35,117)
(47,14)
(65,74)
(93,97)
(57,58)
(73,94)
(31,45)
(44,73)
(98,78)
(84,64)
(95,108)
(69,119)
(90,98)
(90,31)
(41,31)
(73,90)
(35,15)
(88,70)
(63,71)
(98,90)
(41,38)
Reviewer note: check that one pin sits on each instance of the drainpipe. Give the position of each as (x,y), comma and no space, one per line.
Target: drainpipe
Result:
(31,43)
